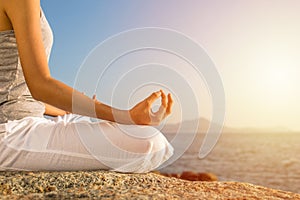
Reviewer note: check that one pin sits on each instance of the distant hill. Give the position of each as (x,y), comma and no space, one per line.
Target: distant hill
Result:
(190,126)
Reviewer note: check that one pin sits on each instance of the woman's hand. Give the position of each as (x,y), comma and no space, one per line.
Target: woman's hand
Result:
(53,111)
(142,113)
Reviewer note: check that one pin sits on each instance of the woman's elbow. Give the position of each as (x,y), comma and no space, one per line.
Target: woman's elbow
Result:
(38,89)
(36,93)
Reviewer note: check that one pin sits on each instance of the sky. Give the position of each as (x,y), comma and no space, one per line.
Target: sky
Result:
(255,46)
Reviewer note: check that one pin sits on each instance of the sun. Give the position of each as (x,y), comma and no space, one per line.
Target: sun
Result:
(276,78)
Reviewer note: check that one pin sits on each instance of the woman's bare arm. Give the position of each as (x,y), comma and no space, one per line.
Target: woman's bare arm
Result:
(25,19)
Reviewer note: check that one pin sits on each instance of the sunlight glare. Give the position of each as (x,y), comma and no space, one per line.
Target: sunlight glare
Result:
(278,79)
(277,75)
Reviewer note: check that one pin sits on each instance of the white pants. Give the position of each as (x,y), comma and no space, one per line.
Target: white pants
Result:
(74,142)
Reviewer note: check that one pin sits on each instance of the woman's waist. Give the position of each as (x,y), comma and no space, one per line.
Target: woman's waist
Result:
(18,109)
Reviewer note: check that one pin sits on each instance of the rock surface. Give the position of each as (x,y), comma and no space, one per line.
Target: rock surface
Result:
(111,185)
(193,176)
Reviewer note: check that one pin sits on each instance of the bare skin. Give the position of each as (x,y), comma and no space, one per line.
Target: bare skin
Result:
(23,16)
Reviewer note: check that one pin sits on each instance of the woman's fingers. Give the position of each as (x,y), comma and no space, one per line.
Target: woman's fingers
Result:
(153,97)
(166,107)
(164,100)
(163,106)
(170,104)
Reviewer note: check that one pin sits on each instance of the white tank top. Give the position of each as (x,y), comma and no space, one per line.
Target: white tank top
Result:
(16,101)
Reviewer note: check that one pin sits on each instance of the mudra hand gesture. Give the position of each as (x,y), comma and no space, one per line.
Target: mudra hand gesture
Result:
(142,113)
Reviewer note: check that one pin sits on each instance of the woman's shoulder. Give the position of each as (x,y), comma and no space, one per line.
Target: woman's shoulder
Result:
(16,13)
(11,8)
(5,23)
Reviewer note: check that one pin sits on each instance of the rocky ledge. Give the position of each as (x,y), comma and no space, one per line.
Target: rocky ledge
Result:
(112,185)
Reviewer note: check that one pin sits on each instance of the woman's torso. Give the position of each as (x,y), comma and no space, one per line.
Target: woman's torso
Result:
(16,101)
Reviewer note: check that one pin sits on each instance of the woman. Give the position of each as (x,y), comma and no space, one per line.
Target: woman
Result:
(28,141)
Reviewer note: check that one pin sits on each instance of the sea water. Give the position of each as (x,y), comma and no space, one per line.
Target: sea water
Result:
(267,159)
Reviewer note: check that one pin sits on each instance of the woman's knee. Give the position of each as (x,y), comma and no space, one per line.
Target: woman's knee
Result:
(159,149)
(140,148)
(145,139)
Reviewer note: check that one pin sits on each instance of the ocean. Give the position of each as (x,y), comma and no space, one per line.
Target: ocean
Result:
(266,159)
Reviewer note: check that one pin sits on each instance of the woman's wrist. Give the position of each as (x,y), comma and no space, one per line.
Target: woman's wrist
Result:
(122,116)
(109,113)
